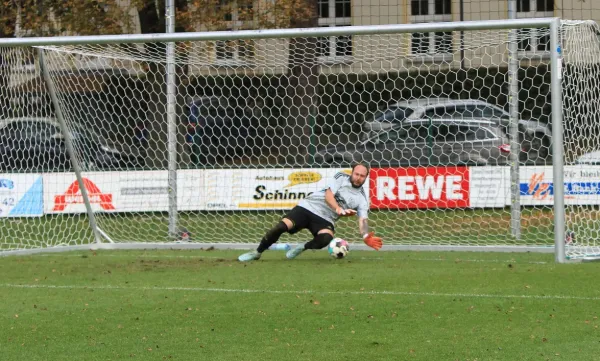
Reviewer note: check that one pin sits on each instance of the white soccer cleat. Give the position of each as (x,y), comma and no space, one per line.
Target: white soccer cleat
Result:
(295,252)
(250,256)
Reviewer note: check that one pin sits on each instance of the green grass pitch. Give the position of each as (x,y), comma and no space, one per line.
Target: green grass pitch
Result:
(205,305)
(439,226)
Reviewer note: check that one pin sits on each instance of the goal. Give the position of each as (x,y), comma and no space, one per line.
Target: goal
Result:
(206,139)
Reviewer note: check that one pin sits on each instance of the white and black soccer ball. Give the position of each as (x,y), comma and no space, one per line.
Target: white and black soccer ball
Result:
(338,248)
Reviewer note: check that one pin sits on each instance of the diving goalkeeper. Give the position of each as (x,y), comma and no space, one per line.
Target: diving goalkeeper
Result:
(318,213)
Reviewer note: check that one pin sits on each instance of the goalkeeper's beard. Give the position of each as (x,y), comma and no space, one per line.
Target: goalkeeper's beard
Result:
(353,182)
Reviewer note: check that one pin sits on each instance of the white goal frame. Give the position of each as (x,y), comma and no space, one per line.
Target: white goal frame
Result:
(102,240)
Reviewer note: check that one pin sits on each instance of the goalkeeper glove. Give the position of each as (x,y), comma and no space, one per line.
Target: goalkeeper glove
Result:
(372,241)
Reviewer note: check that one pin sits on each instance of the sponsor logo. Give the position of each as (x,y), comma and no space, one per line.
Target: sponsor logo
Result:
(431,187)
(303,178)
(135,191)
(6,183)
(261,193)
(541,190)
(216,205)
(536,187)
(73,196)
(268,178)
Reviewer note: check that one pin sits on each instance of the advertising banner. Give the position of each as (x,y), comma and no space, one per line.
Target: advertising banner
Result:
(21,195)
(140,191)
(489,187)
(282,189)
(581,185)
(257,189)
(431,187)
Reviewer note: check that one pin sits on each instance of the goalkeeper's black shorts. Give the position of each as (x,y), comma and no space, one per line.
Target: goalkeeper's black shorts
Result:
(305,219)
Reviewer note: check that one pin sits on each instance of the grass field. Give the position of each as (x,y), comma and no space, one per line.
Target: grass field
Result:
(451,226)
(205,305)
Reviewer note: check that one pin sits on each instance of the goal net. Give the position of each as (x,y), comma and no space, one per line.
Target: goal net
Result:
(581,97)
(457,133)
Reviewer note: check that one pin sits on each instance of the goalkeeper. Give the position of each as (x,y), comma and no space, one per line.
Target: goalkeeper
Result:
(318,213)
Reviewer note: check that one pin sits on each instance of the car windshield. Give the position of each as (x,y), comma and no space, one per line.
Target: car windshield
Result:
(81,132)
(393,114)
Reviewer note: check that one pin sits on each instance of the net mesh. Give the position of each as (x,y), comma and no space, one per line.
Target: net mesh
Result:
(581,138)
(262,123)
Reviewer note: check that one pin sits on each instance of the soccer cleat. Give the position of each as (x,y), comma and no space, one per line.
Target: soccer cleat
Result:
(250,256)
(295,252)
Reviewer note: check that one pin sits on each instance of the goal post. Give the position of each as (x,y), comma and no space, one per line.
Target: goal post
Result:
(581,140)
(264,118)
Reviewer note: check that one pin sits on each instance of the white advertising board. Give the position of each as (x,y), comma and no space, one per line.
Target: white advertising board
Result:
(489,187)
(261,189)
(581,185)
(140,191)
(21,195)
(258,189)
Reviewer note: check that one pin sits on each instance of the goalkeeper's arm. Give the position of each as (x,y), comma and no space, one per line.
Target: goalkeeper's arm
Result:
(333,204)
(369,237)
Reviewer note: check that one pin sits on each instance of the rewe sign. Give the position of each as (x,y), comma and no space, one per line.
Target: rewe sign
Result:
(73,196)
(432,187)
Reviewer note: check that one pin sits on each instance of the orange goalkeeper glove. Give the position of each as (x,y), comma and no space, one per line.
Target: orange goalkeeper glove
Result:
(372,241)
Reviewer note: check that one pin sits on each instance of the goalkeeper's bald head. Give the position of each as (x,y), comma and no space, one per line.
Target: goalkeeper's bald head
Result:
(360,172)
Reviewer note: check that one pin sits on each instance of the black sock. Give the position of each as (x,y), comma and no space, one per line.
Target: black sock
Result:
(272,236)
(321,240)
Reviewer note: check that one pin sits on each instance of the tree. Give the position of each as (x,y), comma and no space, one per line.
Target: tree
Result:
(54,17)
(301,79)
(98,17)
(303,82)
(25,18)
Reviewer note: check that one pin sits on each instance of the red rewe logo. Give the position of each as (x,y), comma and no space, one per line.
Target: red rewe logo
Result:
(73,196)
(426,187)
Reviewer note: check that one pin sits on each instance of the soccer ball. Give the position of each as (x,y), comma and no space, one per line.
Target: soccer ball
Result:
(338,248)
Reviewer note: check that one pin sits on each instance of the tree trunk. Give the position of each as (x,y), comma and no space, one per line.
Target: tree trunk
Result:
(301,91)
(5,78)
(152,21)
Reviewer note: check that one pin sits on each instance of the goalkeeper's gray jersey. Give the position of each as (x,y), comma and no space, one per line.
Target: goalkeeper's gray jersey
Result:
(345,194)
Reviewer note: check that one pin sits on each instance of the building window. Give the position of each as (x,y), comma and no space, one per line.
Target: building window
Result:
(234,52)
(334,13)
(525,6)
(238,15)
(433,43)
(534,40)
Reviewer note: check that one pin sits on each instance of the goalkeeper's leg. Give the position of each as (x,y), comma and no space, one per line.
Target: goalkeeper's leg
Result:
(273,234)
(270,237)
(321,240)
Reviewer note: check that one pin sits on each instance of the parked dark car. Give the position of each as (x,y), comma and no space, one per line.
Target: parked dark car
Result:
(426,143)
(37,144)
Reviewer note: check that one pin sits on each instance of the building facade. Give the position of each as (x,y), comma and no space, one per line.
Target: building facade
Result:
(434,50)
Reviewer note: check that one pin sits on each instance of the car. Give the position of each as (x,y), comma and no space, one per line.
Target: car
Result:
(222,128)
(535,137)
(426,142)
(30,144)
(590,158)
